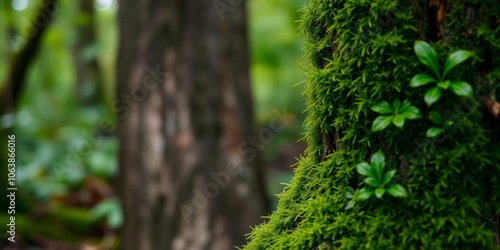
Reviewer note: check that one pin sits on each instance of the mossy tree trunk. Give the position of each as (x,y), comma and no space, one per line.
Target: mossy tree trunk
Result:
(184,108)
(360,53)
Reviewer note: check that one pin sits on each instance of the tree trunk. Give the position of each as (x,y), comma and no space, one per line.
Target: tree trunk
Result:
(184,108)
(14,84)
(362,53)
(89,85)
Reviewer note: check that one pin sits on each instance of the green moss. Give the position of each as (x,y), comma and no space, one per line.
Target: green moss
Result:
(361,52)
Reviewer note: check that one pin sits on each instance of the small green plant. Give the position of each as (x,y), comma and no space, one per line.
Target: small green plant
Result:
(397,113)
(427,55)
(350,193)
(378,181)
(440,122)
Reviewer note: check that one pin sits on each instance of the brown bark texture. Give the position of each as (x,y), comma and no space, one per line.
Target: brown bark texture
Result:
(184,109)
(88,75)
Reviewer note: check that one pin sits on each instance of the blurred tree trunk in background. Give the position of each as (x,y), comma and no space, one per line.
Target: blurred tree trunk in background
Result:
(184,108)
(15,79)
(89,83)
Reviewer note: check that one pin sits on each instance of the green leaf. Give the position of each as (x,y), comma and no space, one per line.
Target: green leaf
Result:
(444,85)
(421,80)
(406,104)
(432,95)
(100,210)
(461,88)
(455,59)
(349,192)
(372,181)
(436,118)
(381,122)
(109,209)
(427,55)
(378,162)
(396,104)
(114,220)
(350,204)
(378,159)
(363,169)
(397,190)
(412,113)
(398,121)
(433,132)
(388,177)
(379,192)
(447,124)
(383,107)
(364,194)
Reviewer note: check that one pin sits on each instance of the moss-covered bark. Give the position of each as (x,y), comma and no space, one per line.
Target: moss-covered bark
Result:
(361,52)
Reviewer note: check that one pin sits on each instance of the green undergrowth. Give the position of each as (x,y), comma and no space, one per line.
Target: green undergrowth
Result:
(361,52)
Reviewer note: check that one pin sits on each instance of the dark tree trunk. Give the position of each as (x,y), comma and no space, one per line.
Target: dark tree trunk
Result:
(184,108)
(89,84)
(14,83)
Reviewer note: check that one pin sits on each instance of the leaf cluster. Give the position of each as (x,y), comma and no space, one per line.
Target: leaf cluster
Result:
(378,181)
(397,114)
(427,56)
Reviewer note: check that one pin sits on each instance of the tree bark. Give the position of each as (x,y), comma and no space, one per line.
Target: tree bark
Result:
(184,109)
(89,84)
(14,83)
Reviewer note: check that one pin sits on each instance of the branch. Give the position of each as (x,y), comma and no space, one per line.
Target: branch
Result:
(15,78)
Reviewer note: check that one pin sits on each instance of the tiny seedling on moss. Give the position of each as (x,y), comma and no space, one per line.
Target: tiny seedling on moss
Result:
(350,193)
(378,181)
(427,56)
(441,124)
(397,113)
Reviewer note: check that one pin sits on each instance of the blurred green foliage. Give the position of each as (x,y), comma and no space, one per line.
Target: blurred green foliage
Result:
(277,66)
(277,74)
(276,56)
(56,136)
(49,123)
(58,144)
